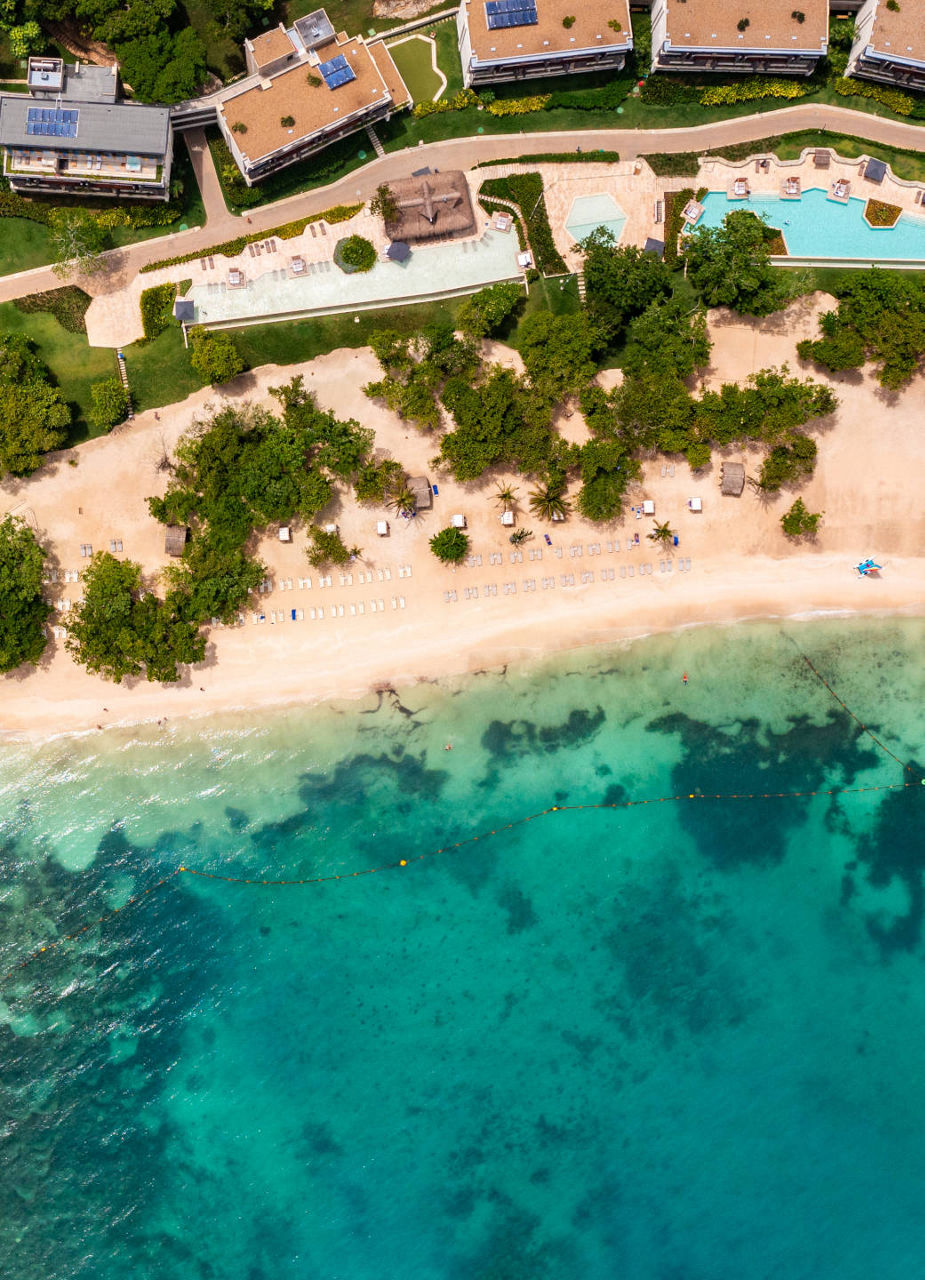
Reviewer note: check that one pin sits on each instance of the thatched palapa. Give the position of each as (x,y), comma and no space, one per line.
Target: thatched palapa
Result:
(733,478)
(175,539)
(435,207)
(423,496)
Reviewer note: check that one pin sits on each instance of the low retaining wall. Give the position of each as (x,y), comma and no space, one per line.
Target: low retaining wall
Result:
(853,264)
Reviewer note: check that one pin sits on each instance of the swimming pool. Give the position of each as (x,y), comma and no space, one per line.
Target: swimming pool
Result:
(590,212)
(816,227)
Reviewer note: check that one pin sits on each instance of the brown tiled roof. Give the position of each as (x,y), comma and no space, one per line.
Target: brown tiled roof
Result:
(271,45)
(589,30)
(313,106)
(705,24)
(390,74)
(899,34)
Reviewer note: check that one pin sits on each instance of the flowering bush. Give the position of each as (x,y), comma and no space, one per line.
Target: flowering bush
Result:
(901,103)
(518,106)
(749,90)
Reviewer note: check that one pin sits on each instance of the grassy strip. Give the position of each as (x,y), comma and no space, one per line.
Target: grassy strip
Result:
(555,157)
(68,305)
(525,190)
(288,230)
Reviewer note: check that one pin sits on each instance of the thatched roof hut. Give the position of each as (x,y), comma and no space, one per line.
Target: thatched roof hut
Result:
(423,495)
(175,539)
(436,207)
(733,478)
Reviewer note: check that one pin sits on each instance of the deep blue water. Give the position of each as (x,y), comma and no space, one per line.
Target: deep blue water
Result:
(679,1041)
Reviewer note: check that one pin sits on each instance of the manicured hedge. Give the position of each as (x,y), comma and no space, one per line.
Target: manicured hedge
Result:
(901,103)
(752,89)
(526,191)
(685,164)
(231,248)
(68,305)
(157,309)
(556,157)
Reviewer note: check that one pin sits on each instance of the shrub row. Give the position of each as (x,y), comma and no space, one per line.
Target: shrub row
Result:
(526,191)
(231,248)
(752,88)
(607,98)
(68,305)
(901,103)
(556,157)
(459,102)
(518,106)
(13,205)
(157,309)
(662,91)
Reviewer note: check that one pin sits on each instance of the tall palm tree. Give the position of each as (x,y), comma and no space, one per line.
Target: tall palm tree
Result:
(401,499)
(547,501)
(506,496)
(663,534)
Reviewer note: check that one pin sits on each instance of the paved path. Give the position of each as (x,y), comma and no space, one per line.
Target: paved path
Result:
(121,265)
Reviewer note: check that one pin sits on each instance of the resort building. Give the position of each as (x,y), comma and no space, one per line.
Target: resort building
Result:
(71,134)
(771,37)
(308,87)
(889,45)
(503,40)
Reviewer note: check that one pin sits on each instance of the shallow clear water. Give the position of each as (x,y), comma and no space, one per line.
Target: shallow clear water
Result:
(463,267)
(816,227)
(682,1039)
(589,213)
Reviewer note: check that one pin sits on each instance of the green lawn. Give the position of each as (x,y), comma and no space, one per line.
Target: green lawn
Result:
(159,372)
(23,245)
(73,363)
(448,56)
(414,58)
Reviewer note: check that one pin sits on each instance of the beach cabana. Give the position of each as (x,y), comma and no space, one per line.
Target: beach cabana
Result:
(184,310)
(733,479)
(398,251)
(423,497)
(875,171)
(175,539)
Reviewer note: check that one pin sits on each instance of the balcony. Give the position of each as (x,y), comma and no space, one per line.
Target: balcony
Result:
(82,167)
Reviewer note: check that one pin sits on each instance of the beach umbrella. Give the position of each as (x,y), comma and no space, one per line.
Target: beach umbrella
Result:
(398,251)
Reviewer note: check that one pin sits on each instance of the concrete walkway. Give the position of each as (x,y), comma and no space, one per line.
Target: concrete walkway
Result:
(121,265)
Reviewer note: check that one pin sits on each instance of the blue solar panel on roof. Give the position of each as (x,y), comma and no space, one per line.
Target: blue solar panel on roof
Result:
(502,14)
(51,122)
(336,71)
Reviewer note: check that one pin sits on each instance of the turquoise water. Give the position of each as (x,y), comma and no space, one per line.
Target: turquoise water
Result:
(588,213)
(816,227)
(682,1040)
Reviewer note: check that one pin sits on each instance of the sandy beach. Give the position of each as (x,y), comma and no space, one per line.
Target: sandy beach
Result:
(387,620)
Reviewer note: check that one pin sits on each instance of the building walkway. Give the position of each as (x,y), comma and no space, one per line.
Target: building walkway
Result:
(121,265)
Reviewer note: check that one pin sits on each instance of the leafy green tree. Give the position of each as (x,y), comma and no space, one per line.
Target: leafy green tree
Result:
(500,420)
(376,481)
(328,547)
(25,39)
(450,545)
(667,340)
(558,353)
(384,204)
(548,501)
(620,283)
(162,66)
(120,630)
(487,311)
(663,534)
(606,470)
(23,611)
(730,266)
(109,403)
(33,417)
(77,240)
(215,355)
(799,521)
(787,464)
(401,499)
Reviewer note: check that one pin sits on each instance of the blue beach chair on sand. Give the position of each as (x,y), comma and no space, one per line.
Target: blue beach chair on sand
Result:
(548,539)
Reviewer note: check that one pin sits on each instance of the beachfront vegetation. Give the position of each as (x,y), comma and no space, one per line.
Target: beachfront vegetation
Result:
(326,547)
(548,500)
(34,419)
(111,404)
(450,545)
(620,283)
(662,533)
(799,521)
(122,629)
(417,367)
(241,471)
(486,312)
(215,355)
(730,266)
(881,317)
(23,611)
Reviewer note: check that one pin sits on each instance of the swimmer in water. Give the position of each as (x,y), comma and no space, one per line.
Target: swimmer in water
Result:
(684,678)
(448,747)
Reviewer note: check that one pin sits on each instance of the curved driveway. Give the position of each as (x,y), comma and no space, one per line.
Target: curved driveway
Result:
(458,153)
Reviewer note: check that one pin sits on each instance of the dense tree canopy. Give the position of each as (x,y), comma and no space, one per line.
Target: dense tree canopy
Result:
(33,417)
(215,355)
(558,353)
(485,312)
(23,611)
(730,266)
(450,545)
(620,283)
(120,630)
(416,369)
(881,317)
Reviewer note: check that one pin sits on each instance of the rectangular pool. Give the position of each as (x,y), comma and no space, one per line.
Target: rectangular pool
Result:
(816,227)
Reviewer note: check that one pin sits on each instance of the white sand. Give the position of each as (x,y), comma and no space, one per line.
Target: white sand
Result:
(866,482)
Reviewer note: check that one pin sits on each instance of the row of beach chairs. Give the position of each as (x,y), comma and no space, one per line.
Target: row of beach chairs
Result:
(334,611)
(363,578)
(568,580)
